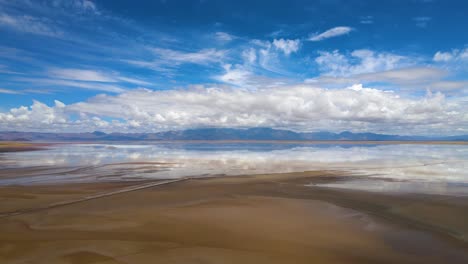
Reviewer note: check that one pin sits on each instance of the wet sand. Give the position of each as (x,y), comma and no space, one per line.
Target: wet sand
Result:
(7,146)
(244,219)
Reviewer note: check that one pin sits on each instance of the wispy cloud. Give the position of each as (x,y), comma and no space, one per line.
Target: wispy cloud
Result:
(29,24)
(267,54)
(68,7)
(167,60)
(8,91)
(249,55)
(405,78)
(80,75)
(4,69)
(449,86)
(71,83)
(204,56)
(422,21)
(81,6)
(366,20)
(331,33)
(92,76)
(224,37)
(242,76)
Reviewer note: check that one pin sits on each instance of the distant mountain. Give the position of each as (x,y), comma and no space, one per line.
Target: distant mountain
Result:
(261,133)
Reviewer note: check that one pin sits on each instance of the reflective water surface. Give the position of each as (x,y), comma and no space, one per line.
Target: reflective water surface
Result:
(405,164)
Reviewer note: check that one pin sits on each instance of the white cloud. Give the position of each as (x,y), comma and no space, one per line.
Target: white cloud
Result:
(77,84)
(453,55)
(204,56)
(133,80)
(443,56)
(333,32)
(40,117)
(224,37)
(235,75)
(91,76)
(301,107)
(287,46)
(37,113)
(404,77)
(80,75)
(249,55)
(166,60)
(268,57)
(259,60)
(243,76)
(8,91)
(358,62)
(29,24)
(450,86)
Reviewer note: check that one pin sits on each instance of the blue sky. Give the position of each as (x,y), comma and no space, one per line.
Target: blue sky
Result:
(380,66)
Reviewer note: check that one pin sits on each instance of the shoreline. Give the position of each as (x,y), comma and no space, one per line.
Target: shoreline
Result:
(4,144)
(15,146)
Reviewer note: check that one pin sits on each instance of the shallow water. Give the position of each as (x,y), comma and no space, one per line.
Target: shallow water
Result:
(399,186)
(416,163)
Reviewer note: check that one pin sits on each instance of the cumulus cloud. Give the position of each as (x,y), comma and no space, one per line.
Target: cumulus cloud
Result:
(331,33)
(300,107)
(451,56)
(287,46)
(40,117)
(358,62)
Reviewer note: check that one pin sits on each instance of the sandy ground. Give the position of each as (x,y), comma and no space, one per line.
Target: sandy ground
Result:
(7,146)
(251,219)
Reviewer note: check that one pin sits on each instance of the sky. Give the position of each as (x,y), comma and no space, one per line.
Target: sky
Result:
(393,67)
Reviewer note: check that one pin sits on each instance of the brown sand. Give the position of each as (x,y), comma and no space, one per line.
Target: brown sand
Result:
(261,219)
(12,146)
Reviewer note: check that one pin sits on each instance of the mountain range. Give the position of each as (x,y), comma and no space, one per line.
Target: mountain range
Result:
(218,134)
